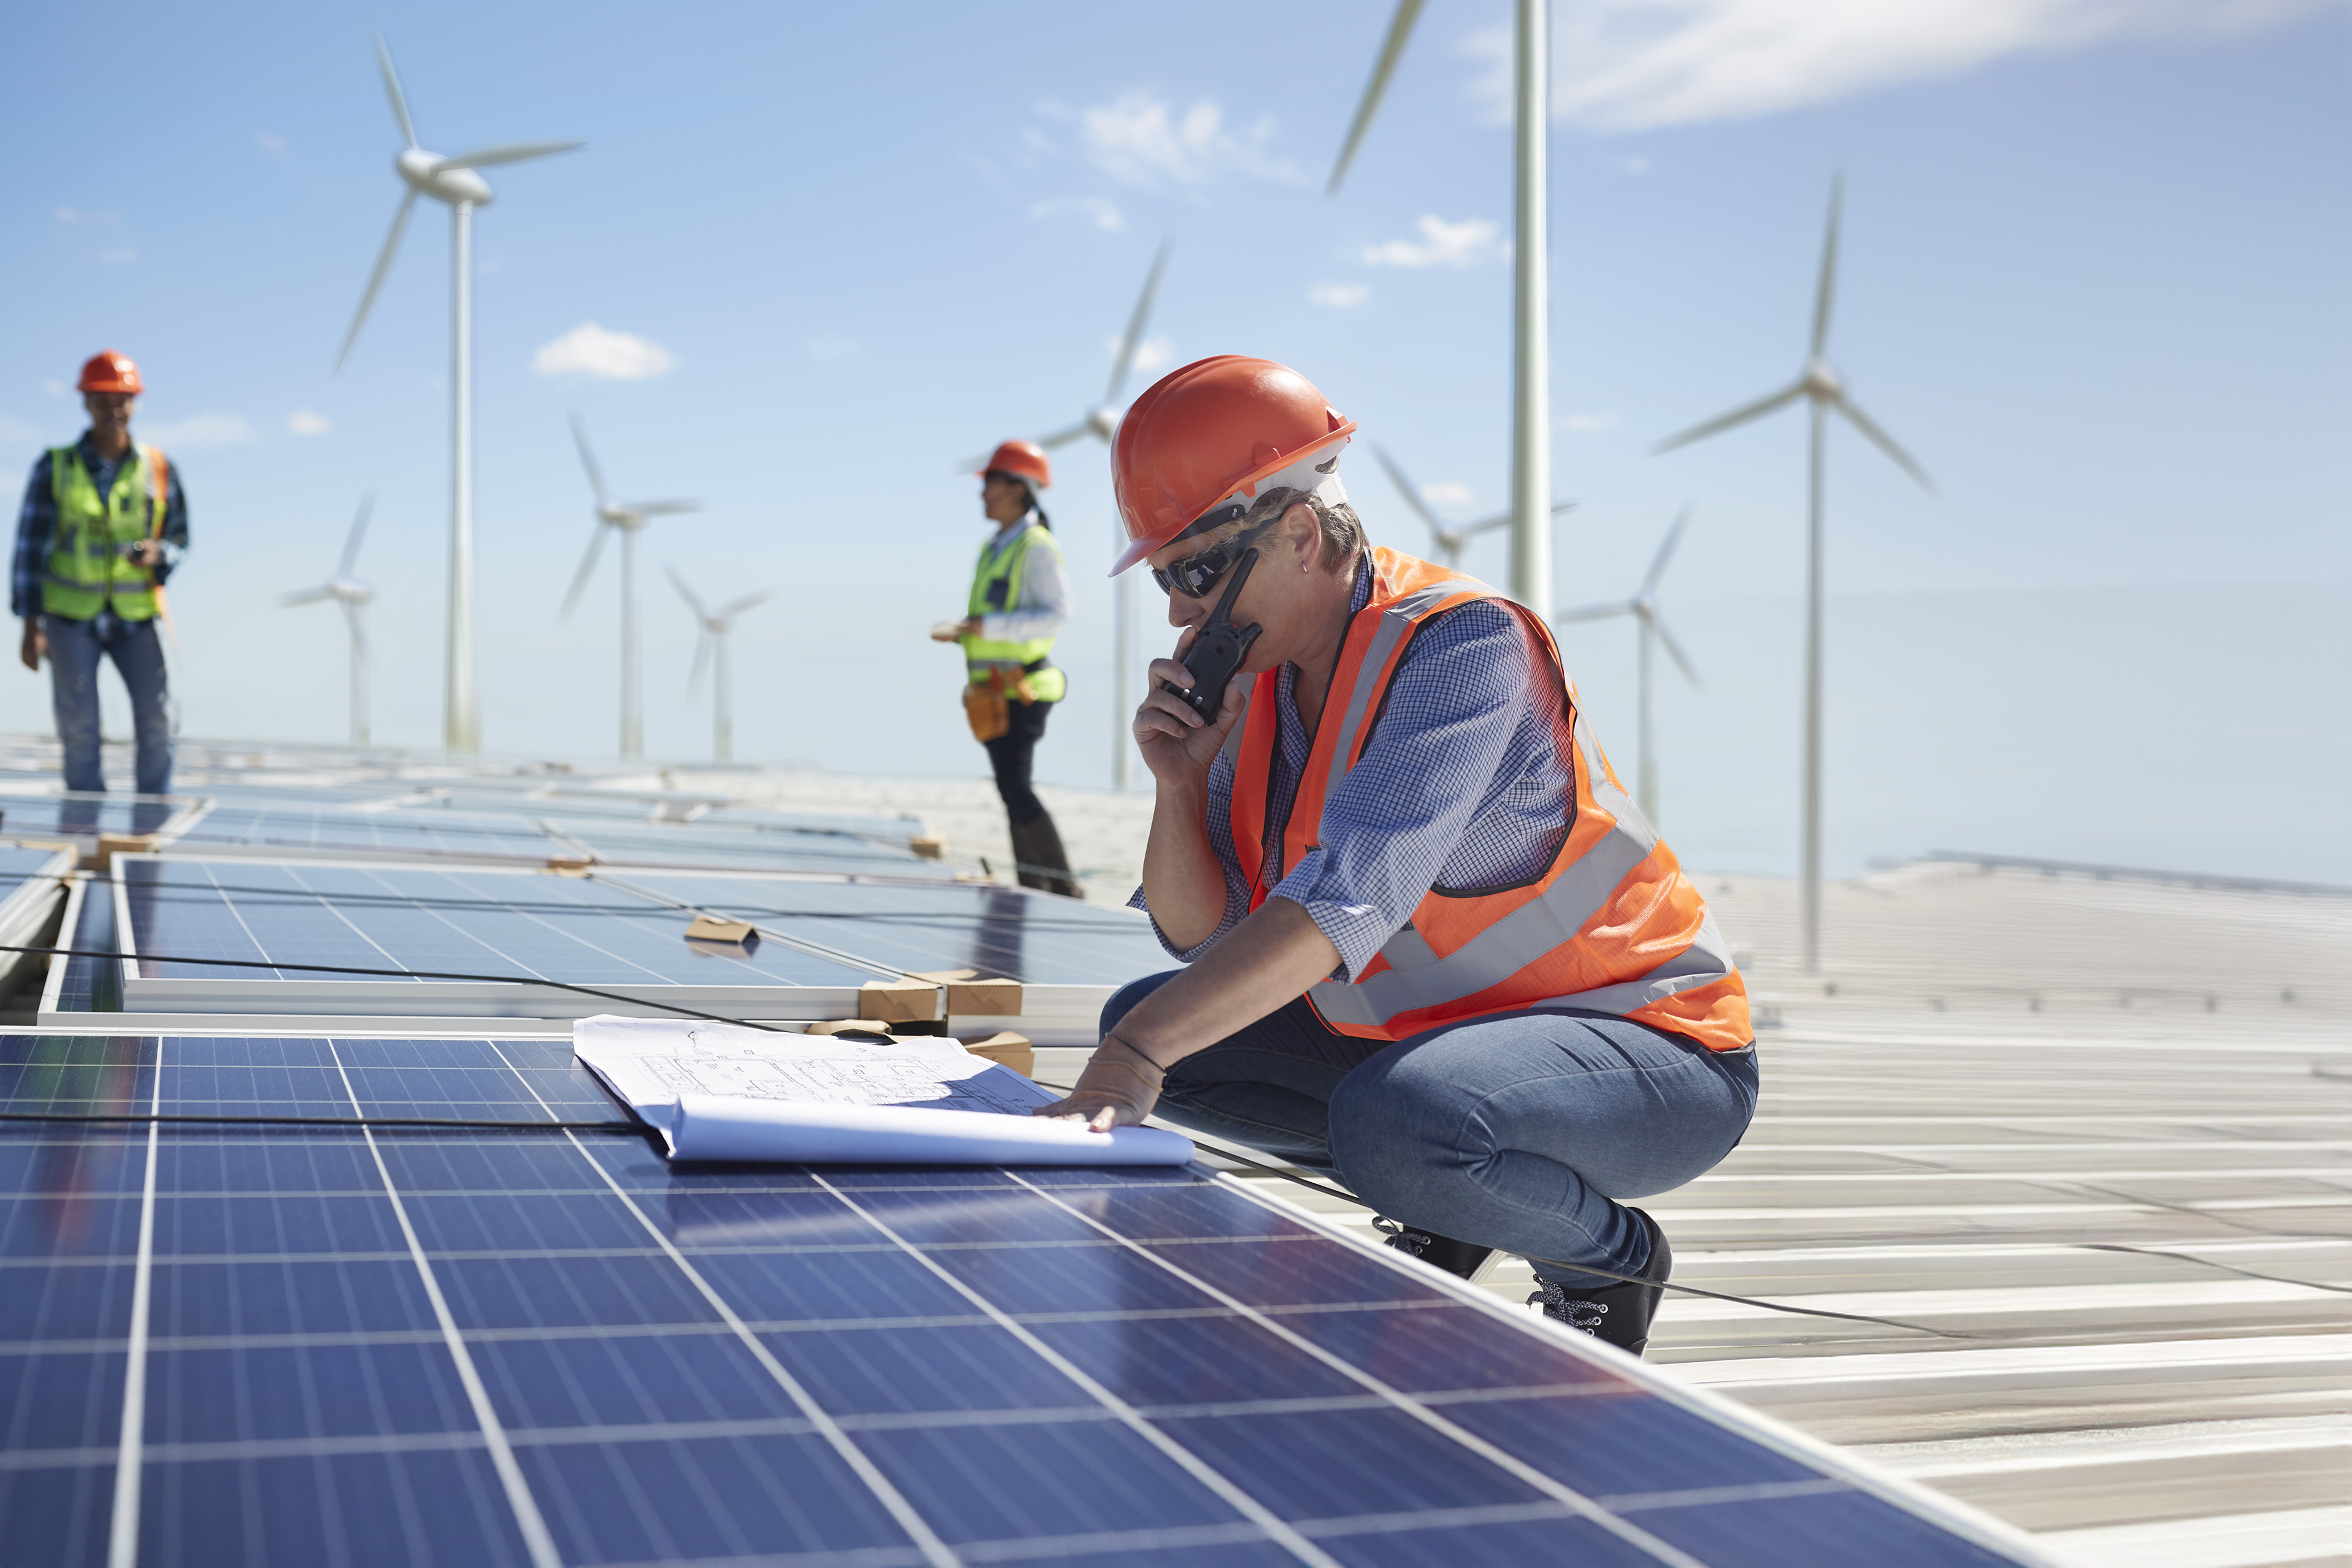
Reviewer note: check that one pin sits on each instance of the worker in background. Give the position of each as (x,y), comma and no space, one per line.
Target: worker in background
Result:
(103,524)
(1020,599)
(1430,945)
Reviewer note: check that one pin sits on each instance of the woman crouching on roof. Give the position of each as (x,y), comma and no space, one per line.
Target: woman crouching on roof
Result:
(1430,944)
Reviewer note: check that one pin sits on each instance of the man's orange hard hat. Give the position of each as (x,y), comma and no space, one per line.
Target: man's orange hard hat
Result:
(1025,458)
(1209,434)
(107,371)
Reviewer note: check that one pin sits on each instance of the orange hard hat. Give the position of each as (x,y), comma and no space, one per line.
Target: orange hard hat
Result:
(107,371)
(1025,458)
(1210,435)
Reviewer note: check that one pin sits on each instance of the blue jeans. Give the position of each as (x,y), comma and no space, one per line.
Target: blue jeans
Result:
(1523,1131)
(137,649)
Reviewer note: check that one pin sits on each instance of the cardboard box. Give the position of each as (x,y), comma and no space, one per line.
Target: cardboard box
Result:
(927,846)
(1006,1049)
(109,845)
(710,928)
(899,1001)
(969,997)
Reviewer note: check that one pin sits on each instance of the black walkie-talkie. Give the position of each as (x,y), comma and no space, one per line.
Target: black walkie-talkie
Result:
(1218,649)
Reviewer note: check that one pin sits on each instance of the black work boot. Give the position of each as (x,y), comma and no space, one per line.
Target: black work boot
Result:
(1619,1313)
(1460,1257)
(1042,862)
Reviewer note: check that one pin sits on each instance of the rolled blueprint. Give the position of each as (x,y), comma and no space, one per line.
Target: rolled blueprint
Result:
(715,1127)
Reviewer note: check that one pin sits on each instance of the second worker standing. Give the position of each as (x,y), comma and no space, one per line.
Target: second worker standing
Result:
(1020,600)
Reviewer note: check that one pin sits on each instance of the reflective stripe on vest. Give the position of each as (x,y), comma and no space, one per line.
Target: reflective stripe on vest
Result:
(1611,926)
(87,568)
(996,585)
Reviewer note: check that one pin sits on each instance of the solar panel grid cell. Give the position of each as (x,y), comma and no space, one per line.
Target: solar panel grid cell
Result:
(492,1348)
(326,830)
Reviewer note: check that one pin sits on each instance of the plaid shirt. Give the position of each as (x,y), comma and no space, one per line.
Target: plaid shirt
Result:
(37,521)
(1461,786)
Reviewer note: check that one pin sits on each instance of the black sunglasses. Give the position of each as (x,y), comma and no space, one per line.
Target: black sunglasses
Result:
(1198,575)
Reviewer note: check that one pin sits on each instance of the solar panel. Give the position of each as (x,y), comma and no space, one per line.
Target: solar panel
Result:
(824,851)
(276,831)
(319,1345)
(78,985)
(48,815)
(474,922)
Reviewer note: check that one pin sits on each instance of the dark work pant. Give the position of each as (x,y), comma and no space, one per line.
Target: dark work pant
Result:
(1012,755)
(76,649)
(1526,1131)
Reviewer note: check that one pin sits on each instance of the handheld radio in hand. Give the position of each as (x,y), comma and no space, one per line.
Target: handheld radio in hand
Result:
(1219,648)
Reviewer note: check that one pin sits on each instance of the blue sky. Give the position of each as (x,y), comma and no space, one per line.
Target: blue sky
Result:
(2095,276)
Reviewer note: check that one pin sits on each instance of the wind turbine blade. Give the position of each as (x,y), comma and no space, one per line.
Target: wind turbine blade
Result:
(587,570)
(1064,437)
(686,594)
(359,530)
(1675,651)
(307,597)
(1135,323)
(1405,488)
(1592,612)
(1885,443)
(1408,12)
(1665,553)
(1488,525)
(518,154)
(701,661)
(392,87)
(588,460)
(1740,416)
(375,279)
(664,508)
(749,601)
(1828,289)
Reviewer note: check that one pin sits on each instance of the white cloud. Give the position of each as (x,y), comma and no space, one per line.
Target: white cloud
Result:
(1102,212)
(591,351)
(200,432)
(1633,64)
(1338,296)
(1150,355)
(82,217)
(1588,423)
(270,141)
(1143,141)
(303,421)
(1448,492)
(833,347)
(1442,244)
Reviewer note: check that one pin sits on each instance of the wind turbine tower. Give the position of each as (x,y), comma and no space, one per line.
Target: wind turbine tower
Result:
(710,653)
(453,183)
(1531,305)
(624,517)
(1825,393)
(1643,608)
(352,594)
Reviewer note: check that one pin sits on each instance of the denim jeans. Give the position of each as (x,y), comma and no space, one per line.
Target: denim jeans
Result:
(137,649)
(1523,1131)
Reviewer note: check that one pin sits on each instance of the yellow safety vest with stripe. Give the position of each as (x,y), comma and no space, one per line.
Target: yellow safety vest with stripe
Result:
(87,568)
(996,590)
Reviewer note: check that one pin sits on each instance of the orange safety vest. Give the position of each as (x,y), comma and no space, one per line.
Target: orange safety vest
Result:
(1611,926)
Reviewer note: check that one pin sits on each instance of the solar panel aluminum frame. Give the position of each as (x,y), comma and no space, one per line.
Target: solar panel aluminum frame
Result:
(27,906)
(77,891)
(180,826)
(1981,1528)
(323,1003)
(1050,1014)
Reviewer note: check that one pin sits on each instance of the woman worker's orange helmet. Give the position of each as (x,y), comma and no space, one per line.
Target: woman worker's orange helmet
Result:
(1025,458)
(1209,436)
(107,371)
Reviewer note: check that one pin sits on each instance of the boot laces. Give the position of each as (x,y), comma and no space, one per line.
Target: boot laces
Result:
(1411,1243)
(1557,1304)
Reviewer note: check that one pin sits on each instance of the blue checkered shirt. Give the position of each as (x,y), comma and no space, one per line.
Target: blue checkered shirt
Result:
(37,521)
(1462,786)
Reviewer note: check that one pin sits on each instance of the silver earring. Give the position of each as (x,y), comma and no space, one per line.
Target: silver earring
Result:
(1302,566)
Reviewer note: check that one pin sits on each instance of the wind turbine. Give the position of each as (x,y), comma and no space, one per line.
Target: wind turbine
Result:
(1643,608)
(352,594)
(453,183)
(1450,541)
(1531,307)
(624,517)
(1101,422)
(1824,391)
(711,652)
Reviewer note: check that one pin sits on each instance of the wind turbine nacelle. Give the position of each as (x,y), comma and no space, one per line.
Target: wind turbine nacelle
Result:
(351,591)
(1104,422)
(424,175)
(1821,381)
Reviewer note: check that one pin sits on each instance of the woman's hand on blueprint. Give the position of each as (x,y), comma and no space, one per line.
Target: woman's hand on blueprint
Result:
(1119,1088)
